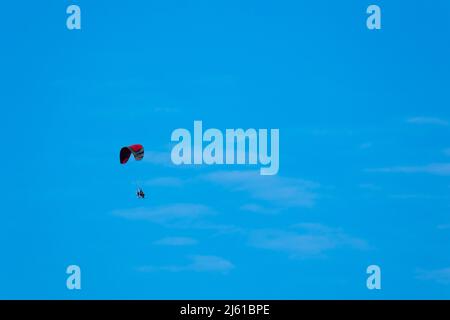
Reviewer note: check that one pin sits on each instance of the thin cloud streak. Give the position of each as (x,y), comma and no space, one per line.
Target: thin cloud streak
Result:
(441,276)
(179,216)
(173,214)
(306,240)
(280,191)
(175,241)
(427,121)
(256,208)
(440,169)
(199,263)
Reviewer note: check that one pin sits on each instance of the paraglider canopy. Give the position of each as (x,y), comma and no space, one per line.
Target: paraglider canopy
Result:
(136,149)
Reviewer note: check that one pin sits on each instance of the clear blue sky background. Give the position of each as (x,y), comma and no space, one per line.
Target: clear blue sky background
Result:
(364,161)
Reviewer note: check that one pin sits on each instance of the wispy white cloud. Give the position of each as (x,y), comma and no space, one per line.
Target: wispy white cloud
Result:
(176,241)
(427,120)
(441,276)
(165,182)
(256,208)
(308,239)
(280,191)
(210,263)
(180,214)
(418,196)
(199,263)
(295,244)
(441,169)
(218,228)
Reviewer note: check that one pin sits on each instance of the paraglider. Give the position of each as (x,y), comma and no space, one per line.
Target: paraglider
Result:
(140,193)
(137,150)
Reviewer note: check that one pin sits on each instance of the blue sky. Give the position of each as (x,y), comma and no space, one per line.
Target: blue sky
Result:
(364,150)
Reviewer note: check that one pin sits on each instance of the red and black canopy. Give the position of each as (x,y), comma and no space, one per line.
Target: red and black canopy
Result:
(136,149)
